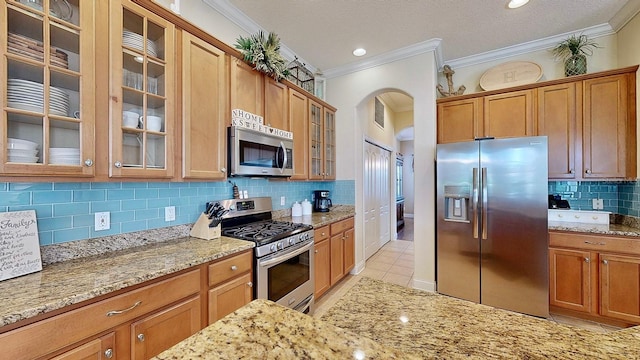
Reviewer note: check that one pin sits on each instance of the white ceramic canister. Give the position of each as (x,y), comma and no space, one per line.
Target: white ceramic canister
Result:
(306,207)
(296,209)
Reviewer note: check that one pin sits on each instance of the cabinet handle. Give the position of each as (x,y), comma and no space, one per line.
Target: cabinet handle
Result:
(250,284)
(88,162)
(588,171)
(118,312)
(108,353)
(223,169)
(595,243)
(140,337)
(316,251)
(117,164)
(587,260)
(605,262)
(323,234)
(234,268)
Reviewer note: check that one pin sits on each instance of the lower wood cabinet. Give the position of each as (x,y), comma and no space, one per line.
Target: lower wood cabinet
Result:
(334,254)
(597,276)
(141,322)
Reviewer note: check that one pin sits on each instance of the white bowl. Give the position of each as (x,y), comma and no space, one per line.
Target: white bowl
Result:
(22,152)
(21,144)
(22,159)
(64,151)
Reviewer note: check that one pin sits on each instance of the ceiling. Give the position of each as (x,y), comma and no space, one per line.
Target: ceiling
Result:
(323,33)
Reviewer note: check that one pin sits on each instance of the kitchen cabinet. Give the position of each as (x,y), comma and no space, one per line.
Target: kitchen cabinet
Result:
(460,120)
(342,249)
(48,70)
(276,104)
(322,261)
(117,313)
(204,109)
(157,332)
(322,137)
(509,114)
(97,349)
(299,126)
(246,88)
(143,65)
(558,110)
(609,130)
(231,285)
(594,276)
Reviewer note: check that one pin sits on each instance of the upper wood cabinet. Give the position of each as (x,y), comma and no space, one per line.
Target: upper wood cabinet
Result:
(276,104)
(609,127)
(299,126)
(460,120)
(509,114)
(557,113)
(246,88)
(204,109)
(48,70)
(142,55)
(322,135)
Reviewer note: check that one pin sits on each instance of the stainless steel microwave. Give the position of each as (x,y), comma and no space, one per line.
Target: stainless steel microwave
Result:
(253,153)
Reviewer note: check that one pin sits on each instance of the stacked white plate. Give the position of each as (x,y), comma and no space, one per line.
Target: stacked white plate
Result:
(23,151)
(29,95)
(64,156)
(136,41)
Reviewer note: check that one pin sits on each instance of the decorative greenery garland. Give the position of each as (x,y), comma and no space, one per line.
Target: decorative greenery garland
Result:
(264,54)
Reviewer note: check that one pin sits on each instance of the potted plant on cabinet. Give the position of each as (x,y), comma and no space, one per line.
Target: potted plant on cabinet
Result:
(263,52)
(573,51)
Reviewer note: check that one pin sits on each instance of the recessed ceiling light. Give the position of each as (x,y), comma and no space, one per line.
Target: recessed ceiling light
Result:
(359,52)
(513,4)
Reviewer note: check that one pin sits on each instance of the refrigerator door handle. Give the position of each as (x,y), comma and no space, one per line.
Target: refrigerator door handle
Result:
(474,204)
(483,181)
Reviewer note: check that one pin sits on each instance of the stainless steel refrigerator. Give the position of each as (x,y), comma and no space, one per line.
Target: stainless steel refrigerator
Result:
(492,242)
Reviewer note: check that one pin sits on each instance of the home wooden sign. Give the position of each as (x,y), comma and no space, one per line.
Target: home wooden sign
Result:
(247,120)
(19,244)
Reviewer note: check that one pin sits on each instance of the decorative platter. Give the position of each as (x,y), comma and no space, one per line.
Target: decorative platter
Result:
(512,73)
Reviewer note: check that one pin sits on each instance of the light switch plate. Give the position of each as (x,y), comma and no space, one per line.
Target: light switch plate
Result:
(170,213)
(102,221)
(282,200)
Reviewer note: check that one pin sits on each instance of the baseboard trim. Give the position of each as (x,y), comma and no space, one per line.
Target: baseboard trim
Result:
(424,285)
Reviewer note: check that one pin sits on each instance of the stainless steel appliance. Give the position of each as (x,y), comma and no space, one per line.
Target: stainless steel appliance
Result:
(321,202)
(253,153)
(491,244)
(284,253)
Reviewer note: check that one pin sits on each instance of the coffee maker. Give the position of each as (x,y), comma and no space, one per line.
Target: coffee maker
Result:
(321,202)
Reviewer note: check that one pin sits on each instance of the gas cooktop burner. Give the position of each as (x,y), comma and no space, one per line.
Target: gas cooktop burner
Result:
(266,231)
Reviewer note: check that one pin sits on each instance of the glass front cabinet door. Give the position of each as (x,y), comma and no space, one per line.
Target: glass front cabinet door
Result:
(142,92)
(48,73)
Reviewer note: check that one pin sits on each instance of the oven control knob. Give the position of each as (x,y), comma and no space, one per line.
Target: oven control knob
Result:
(292,241)
(273,247)
(280,245)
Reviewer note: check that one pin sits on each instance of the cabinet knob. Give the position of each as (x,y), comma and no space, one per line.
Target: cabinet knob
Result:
(323,234)
(588,171)
(250,284)
(572,171)
(117,164)
(587,260)
(108,353)
(88,162)
(234,268)
(316,251)
(605,262)
(223,170)
(140,337)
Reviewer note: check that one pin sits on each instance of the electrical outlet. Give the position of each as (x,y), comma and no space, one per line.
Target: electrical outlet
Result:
(597,204)
(282,200)
(102,221)
(600,204)
(170,213)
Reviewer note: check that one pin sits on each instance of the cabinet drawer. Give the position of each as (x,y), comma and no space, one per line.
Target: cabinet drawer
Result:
(229,268)
(321,234)
(341,226)
(595,242)
(56,332)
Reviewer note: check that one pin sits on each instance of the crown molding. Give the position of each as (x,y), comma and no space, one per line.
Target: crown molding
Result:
(228,10)
(391,56)
(622,17)
(528,47)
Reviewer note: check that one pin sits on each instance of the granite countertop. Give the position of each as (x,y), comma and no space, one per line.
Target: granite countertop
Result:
(73,281)
(318,219)
(611,229)
(265,330)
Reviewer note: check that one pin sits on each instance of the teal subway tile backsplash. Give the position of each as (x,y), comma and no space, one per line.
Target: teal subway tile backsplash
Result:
(65,211)
(621,197)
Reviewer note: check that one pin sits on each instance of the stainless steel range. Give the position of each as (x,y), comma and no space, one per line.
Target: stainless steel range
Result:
(284,256)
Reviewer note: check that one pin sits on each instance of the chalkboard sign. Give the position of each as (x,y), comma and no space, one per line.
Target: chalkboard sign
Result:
(19,245)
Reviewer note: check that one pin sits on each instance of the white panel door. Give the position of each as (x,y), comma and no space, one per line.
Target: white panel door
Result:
(377,190)
(384,193)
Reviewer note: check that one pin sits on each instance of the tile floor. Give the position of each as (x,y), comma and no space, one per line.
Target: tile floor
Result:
(394,263)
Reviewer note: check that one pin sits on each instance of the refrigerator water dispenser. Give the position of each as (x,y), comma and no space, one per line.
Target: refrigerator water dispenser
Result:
(456,203)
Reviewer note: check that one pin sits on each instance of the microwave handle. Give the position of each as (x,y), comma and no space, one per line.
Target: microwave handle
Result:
(284,153)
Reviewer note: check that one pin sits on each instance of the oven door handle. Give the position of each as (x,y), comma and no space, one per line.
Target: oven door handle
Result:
(288,255)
